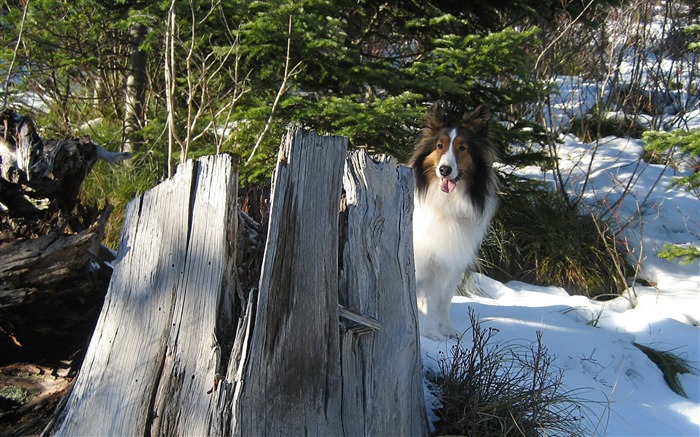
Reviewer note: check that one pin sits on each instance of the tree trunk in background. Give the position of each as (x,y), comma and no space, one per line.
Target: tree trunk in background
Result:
(135,89)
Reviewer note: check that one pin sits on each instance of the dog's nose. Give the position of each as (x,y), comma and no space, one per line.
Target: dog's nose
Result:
(445,170)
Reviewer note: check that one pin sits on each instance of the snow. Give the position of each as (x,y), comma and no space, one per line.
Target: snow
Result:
(572,98)
(624,391)
(593,342)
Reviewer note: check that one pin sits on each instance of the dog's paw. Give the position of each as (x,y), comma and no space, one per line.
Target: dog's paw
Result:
(440,333)
(432,334)
(450,333)
(438,330)
(430,329)
(454,335)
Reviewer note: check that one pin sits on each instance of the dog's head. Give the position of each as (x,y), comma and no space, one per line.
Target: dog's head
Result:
(451,153)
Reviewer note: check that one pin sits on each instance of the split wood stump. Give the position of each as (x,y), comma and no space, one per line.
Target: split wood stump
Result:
(327,344)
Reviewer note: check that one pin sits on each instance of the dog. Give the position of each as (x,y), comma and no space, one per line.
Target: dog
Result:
(454,202)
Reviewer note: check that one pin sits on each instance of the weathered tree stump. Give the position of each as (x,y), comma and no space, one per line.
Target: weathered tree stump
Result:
(293,364)
(382,371)
(153,359)
(327,345)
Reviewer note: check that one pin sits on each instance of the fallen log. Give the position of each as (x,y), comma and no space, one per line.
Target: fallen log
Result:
(54,272)
(38,177)
(51,290)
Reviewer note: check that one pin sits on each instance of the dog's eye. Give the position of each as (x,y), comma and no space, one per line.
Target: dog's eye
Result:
(440,146)
(462,148)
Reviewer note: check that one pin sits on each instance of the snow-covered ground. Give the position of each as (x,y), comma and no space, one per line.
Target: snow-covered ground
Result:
(593,341)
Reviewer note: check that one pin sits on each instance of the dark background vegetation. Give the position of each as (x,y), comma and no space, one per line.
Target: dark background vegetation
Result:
(173,80)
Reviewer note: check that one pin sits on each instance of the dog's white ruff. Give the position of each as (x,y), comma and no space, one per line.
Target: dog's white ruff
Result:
(447,232)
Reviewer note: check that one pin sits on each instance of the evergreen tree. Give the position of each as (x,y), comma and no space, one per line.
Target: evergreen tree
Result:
(365,70)
(369,73)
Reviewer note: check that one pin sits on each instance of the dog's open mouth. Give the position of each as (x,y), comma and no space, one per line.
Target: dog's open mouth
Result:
(448,185)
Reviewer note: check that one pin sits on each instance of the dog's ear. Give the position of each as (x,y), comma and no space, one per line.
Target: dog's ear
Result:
(478,120)
(436,117)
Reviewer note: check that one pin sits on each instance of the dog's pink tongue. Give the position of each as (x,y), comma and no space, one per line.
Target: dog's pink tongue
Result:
(447,185)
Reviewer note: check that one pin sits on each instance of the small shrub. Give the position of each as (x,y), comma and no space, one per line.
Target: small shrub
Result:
(542,238)
(670,364)
(685,254)
(117,185)
(666,147)
(672,148)
(503,390)
(15,395)
(599,124)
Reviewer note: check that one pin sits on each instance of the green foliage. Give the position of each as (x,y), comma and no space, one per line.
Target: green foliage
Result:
(118,184)
(687,254)
(541,238)
(665,147)
(598,125)
(489,389)
(693,32)
(368,74)
(670,364)
(65,51)
(15,394)
(378,124)
(662,147)
(364,71)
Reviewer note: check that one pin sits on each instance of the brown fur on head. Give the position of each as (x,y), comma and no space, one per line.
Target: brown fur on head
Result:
(472,148)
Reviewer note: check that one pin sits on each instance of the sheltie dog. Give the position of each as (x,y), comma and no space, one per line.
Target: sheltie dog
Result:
(455,200)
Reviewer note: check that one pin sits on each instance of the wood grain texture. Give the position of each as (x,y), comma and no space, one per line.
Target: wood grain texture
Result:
(328,343)
(51,292)
(292,379)
(35,269)
(153,358)
(382,371)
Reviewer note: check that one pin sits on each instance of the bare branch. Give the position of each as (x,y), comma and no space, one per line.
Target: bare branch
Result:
(280,92)
(170,82)
(14,52)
